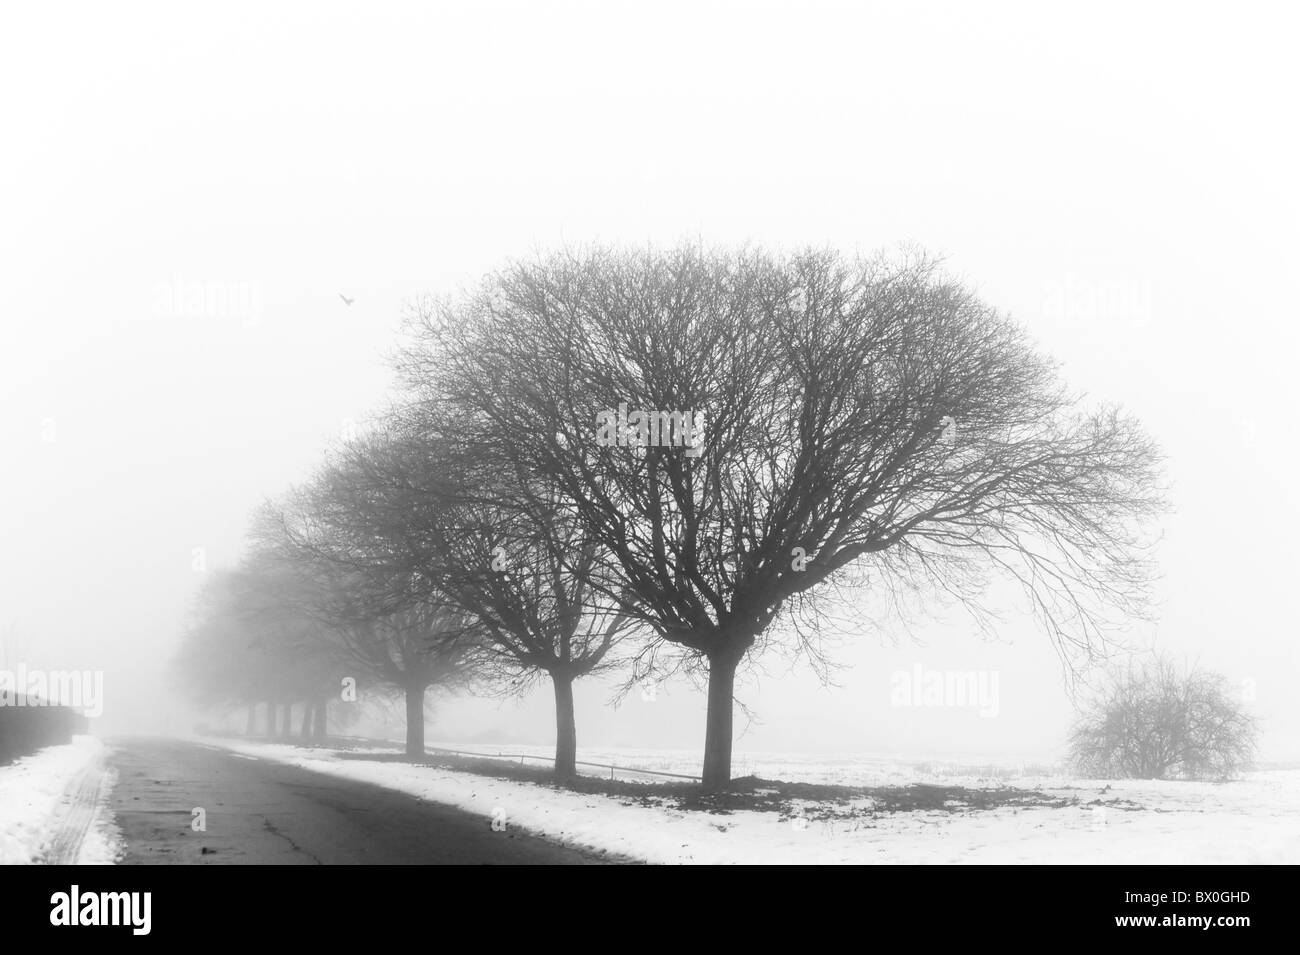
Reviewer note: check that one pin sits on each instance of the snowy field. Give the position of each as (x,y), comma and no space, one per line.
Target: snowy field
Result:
(984,814)
(53,807)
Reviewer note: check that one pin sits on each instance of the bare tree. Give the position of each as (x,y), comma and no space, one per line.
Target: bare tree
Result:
(401,636)
(865,423)
(1155,721)
(421,508)
(251,643)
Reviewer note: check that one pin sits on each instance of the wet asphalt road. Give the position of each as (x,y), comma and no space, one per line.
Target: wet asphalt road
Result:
(266,813)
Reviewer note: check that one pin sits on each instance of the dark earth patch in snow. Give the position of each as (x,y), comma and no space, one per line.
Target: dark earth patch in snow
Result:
(756,794)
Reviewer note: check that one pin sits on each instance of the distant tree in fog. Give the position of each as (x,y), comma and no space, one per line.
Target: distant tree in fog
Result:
(249,646)
(1157,721)
(398,635)
(306,659)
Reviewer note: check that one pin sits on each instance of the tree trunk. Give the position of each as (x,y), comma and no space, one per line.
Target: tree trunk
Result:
(566,728)
(272,718)
(286,720)
(305,732)
(322,713)
(415,720)
(252,720)
(717,723)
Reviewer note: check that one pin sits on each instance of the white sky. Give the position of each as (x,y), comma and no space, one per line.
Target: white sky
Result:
(1142,161)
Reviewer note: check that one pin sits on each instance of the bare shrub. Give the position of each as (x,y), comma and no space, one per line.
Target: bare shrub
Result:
(1158,721)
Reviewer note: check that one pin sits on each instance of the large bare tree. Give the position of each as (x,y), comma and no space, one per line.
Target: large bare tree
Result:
(864,421)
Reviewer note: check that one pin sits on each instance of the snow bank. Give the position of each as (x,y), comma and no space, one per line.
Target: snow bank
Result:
(35,792)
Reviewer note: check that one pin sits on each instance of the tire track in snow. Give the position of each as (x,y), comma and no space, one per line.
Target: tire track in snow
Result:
(75,817)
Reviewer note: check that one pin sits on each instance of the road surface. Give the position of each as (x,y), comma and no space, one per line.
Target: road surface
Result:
(263,812)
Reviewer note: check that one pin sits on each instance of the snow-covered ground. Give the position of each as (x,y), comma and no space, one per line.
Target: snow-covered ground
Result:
(1253,820)
(54,806)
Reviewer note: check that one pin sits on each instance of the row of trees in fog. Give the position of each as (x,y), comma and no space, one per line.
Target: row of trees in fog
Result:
(638,463)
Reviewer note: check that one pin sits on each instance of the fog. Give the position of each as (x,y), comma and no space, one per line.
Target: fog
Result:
(186,197)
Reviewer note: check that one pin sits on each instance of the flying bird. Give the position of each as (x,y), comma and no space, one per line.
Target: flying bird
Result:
(346,300)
